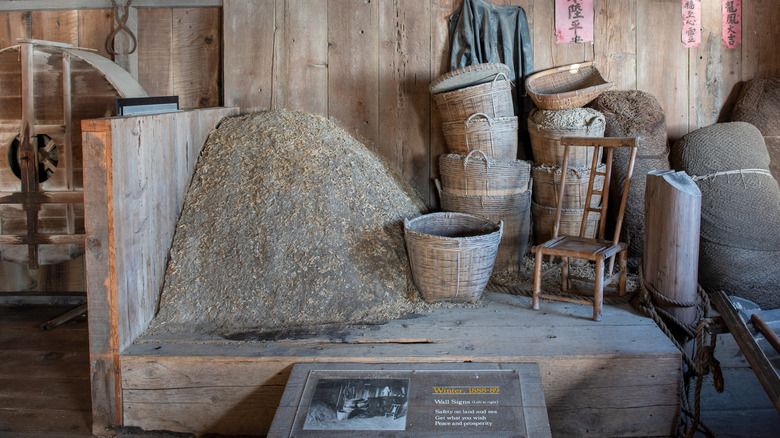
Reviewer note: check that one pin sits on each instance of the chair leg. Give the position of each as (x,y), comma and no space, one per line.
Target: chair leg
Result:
(598,295)
(565,274)
(622,268)
(537,280)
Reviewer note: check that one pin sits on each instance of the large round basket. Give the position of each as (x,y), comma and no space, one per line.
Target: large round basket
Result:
(571,218)
(475,174)
(547,183)
(546,142)
(568,86)
(497,138)
(482,88)
(513,210)
(451,254)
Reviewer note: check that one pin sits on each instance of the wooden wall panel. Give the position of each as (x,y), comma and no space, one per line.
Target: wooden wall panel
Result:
(760,36)
(14,25)
(714,75)
(95,25)
(404,77)
(155,32)
(663,61)
(615,34)
(301,56)
(353,69)
(195,57)
(60,26)
(249,30)
(440,46)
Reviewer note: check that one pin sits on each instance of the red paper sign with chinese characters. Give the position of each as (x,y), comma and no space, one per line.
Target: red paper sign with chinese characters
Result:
(691,23)
(573,21)
(732,23)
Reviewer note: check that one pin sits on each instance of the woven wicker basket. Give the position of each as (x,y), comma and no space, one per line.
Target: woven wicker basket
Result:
(451,254)
(546,143)
(571,218)
(513,210)
(497,138)
(475,174)
(547,182)
(493,98)
(568,86)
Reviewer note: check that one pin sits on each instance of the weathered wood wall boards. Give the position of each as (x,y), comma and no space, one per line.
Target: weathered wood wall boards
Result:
(367,65)
(138,170)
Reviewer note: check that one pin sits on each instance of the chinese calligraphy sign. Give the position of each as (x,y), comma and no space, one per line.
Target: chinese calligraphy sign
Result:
(573,21)
(691,23)
(732,23)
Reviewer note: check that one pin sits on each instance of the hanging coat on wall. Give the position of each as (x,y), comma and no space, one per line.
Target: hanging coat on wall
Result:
(482,32)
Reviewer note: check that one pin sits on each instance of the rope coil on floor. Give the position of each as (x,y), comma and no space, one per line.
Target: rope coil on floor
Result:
(703,361)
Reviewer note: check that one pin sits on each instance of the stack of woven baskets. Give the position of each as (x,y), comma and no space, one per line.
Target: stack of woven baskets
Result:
(481,175)
(560,95)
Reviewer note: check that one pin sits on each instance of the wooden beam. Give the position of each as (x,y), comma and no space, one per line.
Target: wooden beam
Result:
(50,5)
(755,356)
(41,197)
(41,239)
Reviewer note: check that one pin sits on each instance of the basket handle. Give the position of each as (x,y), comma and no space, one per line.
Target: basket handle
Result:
(487,117)
(466,160)
(590,122)
(501,74)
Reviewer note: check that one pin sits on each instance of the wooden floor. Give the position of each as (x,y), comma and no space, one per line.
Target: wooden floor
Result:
(44,375)
(44,384)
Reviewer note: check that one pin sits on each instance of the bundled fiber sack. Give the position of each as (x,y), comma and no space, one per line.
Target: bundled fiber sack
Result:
(740,219)
(633,114)
(759,105)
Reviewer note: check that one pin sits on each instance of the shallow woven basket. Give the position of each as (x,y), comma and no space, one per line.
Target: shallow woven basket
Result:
(475,174)
(547,183)
(546,143)
(493,98)
(451,254)
(513,210)
(571,218)
(497,138)
(568,86)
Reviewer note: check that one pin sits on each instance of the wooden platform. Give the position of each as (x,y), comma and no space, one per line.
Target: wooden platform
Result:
(617,377)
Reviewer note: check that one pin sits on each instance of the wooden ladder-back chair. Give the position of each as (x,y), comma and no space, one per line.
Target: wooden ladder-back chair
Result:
(596,249)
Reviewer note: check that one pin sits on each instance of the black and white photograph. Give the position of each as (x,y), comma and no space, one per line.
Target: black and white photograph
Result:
(358,404)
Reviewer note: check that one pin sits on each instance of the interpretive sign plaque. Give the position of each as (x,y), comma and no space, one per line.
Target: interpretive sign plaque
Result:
(442,399)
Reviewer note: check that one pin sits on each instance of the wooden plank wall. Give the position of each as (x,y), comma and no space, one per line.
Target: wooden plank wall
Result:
(371,73)
(178,49)
(367,64)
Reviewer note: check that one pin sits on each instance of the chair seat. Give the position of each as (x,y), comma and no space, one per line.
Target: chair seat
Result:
(579,247)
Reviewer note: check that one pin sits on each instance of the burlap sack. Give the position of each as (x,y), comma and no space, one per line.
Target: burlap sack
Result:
(633,114)
(740,218)
(759,105)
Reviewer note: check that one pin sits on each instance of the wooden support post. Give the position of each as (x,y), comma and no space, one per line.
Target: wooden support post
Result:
(671,253)
(28,149)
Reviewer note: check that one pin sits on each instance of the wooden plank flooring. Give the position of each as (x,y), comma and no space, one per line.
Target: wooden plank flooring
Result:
(44,385)
(44,375)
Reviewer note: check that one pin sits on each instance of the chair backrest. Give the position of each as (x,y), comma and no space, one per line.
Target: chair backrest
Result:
(607,144)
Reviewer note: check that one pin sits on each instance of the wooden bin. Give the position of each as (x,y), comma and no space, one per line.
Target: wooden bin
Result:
(547,183)
(475,174)
(546,143)
(571,218)
(513,210)
(496,137)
